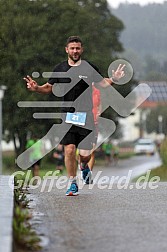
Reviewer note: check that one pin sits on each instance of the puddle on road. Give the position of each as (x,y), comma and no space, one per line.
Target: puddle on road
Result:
(37,221)
(44,241)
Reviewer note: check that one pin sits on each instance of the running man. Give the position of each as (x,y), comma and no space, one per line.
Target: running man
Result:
(96,96)
(107,148)
(77,136)
(35,155)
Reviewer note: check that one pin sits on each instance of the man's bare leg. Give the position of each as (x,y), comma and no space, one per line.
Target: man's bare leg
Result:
(35,170)
(84,157)
(92,161)
(71,166)
(70,160)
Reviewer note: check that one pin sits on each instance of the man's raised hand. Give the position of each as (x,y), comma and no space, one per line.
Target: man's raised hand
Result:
(31,84)
(119,73)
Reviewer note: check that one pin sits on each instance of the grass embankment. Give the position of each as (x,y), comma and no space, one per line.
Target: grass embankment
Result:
(49,164)
(25,238)
(160,171)
(9,165)
(126,155)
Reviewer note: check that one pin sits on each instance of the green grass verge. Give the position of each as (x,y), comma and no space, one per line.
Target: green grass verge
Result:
(126,155)
(25,238)
(49,165)
(160,171)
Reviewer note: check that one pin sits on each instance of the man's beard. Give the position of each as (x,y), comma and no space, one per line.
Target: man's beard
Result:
(75,60)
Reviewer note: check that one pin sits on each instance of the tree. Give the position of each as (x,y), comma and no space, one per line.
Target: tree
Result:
(33,34)
(145,34)
(153,121)
(154,70)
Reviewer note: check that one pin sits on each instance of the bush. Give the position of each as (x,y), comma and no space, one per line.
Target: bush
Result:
(25,238)
(9,162)
(163,151)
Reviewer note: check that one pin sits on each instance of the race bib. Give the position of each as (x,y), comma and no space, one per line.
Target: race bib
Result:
(77,118)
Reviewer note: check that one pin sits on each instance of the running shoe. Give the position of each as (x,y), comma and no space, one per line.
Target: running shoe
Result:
(86,175)
(73,190)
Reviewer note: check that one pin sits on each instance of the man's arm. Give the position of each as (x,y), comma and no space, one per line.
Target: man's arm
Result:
(34,87)
(116,76)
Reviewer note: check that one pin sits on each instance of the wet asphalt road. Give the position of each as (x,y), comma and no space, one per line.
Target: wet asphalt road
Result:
(102,219)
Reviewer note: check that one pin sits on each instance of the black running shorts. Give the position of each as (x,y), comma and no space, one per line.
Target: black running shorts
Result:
(82,138)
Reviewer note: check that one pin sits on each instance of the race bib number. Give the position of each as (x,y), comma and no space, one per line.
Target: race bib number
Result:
(78,118)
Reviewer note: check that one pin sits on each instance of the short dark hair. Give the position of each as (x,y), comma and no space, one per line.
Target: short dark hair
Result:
(76,39)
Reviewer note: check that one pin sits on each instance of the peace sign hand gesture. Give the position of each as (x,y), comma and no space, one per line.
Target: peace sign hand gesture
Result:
(31,84)
(119,73)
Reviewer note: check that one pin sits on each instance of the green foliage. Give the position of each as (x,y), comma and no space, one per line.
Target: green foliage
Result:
(24,236)
(160,171)
(8,162)
(126,155)
(163,152)
(33,35)
(20,198)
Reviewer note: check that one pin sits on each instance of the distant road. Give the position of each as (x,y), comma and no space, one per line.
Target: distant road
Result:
(138,165)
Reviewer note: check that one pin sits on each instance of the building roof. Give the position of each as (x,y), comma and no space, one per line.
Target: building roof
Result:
(158,95)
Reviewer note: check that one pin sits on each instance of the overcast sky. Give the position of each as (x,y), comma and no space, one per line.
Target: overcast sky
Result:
(115,3)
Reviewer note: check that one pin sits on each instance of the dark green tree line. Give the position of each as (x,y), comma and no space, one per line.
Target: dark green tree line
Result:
(32,39)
